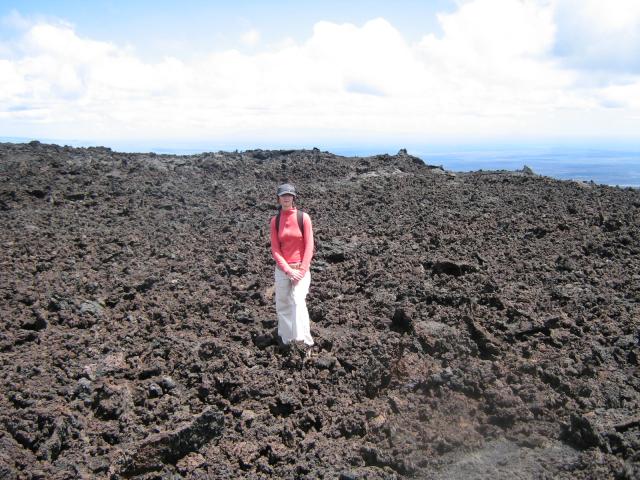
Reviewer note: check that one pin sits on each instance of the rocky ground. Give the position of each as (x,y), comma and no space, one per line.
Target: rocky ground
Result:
(477,325)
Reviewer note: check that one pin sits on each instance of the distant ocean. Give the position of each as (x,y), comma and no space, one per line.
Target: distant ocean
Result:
(603,166)
(615,166)
(608,167)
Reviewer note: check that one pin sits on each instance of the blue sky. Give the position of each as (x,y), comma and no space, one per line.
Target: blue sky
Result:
(164,27)
(321,73)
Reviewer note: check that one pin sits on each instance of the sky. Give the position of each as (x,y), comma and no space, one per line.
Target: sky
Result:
(261,74)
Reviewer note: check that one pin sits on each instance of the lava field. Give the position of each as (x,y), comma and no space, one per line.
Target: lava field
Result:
(481,325)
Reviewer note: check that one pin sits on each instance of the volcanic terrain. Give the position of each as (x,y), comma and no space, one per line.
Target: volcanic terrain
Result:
(476,325)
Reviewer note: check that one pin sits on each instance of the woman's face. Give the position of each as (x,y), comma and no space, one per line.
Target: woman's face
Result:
(286,201)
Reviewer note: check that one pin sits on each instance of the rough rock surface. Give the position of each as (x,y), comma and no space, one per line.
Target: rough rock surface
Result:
(478,325)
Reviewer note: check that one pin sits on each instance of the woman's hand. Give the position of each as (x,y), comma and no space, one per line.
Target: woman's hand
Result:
(295,276)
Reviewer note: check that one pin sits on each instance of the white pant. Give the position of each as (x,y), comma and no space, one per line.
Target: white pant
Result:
(291,307)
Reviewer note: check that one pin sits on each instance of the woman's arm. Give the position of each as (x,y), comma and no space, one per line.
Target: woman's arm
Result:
(308,243)
(276,252)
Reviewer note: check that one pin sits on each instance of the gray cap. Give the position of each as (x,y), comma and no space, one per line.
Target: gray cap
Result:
(286,188)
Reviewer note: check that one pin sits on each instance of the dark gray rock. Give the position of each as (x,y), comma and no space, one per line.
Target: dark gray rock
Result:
(154,390)
(169,447)
(402,320)
(37,322)
(167,384)
(84,390)
(90,307)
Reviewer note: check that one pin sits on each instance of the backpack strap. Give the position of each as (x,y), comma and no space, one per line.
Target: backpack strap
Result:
(300,222)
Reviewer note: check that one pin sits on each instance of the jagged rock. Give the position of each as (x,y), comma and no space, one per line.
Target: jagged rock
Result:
(446,267)
(167,384)
(326,362)
(36,322)
(91,308)
(604,429)
(447,310)
(169,447)
(155,390)
(488,345)
(84,390)
(264,340)
(402,319)
(53,446)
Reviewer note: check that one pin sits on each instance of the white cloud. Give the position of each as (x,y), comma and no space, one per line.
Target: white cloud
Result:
(494,70)
(11,82)
(622,96)
(599,34)
(61,42)
(250,38)
(494,55)
(14,20)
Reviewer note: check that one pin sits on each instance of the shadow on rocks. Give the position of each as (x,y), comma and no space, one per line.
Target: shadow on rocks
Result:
(294,354)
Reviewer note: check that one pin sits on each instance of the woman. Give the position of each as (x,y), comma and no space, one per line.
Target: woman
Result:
(292,249)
